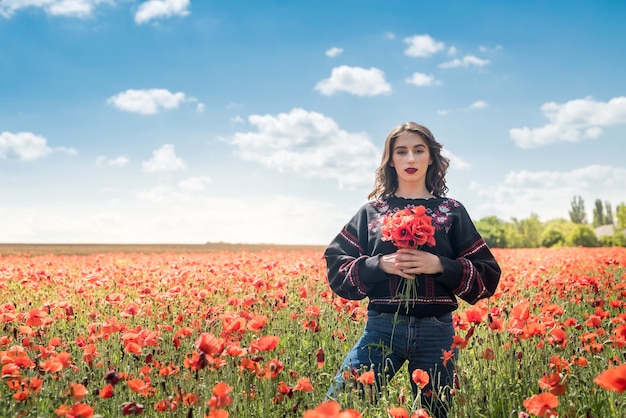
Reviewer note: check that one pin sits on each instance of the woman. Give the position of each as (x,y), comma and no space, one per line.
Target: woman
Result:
(361,264)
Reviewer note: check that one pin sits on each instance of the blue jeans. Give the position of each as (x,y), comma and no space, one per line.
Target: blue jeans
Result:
(388,342)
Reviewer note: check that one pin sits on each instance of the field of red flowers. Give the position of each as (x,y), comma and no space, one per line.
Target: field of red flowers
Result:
(259,334)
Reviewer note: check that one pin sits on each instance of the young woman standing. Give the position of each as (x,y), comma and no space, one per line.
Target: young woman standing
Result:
(361,264)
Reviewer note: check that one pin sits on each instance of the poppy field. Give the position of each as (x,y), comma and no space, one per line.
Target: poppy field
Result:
(260,334)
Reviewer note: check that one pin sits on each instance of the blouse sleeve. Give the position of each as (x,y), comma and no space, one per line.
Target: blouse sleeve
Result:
(352,271)
(474,274)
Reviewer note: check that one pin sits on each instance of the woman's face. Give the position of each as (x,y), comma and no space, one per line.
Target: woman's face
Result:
(410,157)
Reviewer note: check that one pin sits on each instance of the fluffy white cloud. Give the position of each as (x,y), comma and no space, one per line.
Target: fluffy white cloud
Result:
(354,80)
(486,49)
(573,121)
(26,146)
(164,159)
(310,144)
(71,8)
(422,46)
(334,52)
(159,9)
(148,102)
(120,161)
(465,62)
(456,163)
(479,104)
(421,79)
(548,193)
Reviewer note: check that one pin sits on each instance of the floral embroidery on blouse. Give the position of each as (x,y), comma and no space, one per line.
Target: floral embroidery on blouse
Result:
(441,216)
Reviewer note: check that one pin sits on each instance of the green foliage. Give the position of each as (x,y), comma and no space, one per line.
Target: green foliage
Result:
(532,233)
(493,231)
(577,214)
(602,215)
(552,237)
(582,235)
(608,216)
(529,231)
(598,214)
(620,214)
(618,239)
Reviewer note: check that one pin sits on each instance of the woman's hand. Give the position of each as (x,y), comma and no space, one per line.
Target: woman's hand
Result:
(407,263)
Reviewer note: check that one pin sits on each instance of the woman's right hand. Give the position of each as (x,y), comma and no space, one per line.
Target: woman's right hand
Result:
(389,265)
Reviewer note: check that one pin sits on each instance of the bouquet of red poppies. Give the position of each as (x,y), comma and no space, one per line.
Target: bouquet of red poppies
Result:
(409,228)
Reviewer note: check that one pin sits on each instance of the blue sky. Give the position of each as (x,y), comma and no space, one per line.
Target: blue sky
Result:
(187,121)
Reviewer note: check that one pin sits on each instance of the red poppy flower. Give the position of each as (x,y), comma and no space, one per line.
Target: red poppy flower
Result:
(420,377)
(319,355)
(132,408)
(613,379)
(265,343)
(221,397)
(553,383)
(209,344)
(542,405)
(366,378)
(107,391)
(409,228)
(77,391)
(304,385)
(398,412)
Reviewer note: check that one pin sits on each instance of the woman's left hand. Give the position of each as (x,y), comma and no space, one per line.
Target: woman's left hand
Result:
(412,261)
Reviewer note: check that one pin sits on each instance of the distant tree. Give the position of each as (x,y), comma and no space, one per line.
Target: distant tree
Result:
(493,231)
(529,230)
(577,214)
(513,238)
(608,214)
(598,214)
(620,214)
(551,237)
(582,235)
(563,225)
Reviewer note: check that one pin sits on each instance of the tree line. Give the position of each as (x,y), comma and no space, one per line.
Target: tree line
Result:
(532,233)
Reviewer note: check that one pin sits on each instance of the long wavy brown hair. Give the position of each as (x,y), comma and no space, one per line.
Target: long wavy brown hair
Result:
(386,182)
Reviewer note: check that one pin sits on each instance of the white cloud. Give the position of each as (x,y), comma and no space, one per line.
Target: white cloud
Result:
(310,144)
(549,193)
(148,102)
(390,35)
(354,80)
(421,79)
(159,9)
(186,219)
(163,159)
(486,49)
(573,121)
(334,52)
(26,146)
(456,163)
(70,8)
(422,46)
(120,161)
(479,104)
(465,62)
